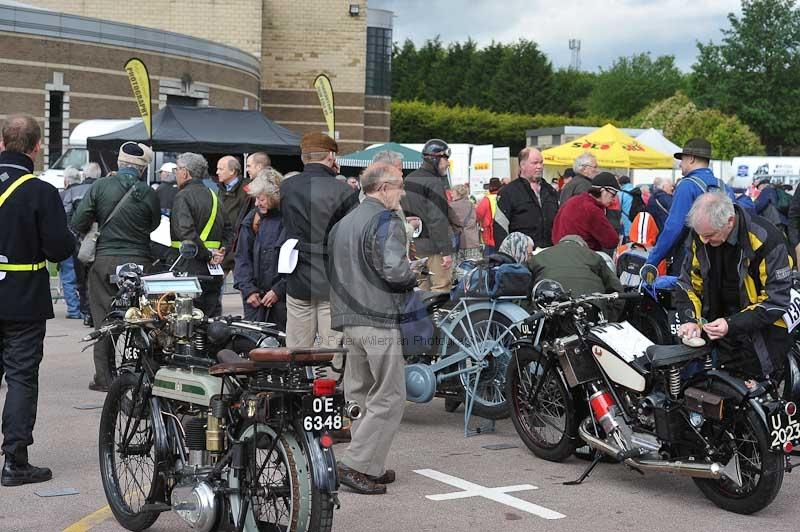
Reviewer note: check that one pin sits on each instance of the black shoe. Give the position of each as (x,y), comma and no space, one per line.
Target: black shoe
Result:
(387,478)
(19,474)
(359,482)
(88,321)
(97,387)
(341,436)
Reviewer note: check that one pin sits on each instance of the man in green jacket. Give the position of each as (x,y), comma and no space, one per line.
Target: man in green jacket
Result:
(579,270)
(126,238)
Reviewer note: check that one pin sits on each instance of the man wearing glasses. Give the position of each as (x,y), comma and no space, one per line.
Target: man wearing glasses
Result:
(584,215)
(585,167)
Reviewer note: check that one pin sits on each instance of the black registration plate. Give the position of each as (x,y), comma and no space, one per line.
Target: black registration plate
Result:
(783,428)
(322,413)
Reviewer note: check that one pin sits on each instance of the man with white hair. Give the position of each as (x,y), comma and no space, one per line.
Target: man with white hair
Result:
(130,207)
(168,188)
(585,168)
(660,201)
(734,286)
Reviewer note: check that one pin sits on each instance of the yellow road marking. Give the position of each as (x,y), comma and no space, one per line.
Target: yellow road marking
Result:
(90,521)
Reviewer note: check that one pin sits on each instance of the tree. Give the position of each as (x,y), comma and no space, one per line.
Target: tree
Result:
(571,92)
(680,119)
(755,72)
(522,82)
(633,82)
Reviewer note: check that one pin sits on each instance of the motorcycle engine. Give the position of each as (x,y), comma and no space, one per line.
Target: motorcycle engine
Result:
(196,503)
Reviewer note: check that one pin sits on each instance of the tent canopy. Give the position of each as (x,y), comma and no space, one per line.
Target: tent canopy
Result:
(412,159)
(206,130)
(612,148)
(659,142)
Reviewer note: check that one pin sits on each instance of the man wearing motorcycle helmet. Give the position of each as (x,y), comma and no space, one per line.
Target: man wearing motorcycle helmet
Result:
(425,199)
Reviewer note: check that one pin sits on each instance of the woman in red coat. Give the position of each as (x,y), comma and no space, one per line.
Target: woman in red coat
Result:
(584,215)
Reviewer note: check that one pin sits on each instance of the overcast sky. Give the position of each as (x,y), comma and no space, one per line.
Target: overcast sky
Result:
(607,29)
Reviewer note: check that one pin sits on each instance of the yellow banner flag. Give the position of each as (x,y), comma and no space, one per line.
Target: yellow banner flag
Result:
(140,85)
(325,93)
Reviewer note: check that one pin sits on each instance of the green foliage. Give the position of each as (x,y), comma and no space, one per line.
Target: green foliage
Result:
(418,121)
(571,92)
(633,82)
(680,120)
(755,72)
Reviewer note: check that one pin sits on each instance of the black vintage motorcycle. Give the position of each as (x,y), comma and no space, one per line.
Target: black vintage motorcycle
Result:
(575,378)
(226,442)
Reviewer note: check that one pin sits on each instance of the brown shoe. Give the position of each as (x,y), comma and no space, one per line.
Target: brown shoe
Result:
(387,478)
(359,482)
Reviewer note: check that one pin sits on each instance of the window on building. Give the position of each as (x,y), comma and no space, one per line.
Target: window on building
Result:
(187,101)
(379,62)
(55,140)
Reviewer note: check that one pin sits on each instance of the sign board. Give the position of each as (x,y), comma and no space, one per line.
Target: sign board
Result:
(480,168)
(459,164)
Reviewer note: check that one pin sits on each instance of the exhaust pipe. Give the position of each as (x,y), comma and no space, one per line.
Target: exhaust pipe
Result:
(712,470)
(352,410)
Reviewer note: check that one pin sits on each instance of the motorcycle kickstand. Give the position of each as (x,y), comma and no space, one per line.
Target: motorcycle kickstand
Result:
(596,460)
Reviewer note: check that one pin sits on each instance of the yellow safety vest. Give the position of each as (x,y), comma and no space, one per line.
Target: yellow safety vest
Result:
(209,225)
(4,267)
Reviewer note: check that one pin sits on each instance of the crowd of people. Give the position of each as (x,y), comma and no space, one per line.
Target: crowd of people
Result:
(363,245)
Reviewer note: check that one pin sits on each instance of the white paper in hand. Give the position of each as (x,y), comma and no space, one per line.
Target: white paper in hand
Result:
(287,259)
(161,234)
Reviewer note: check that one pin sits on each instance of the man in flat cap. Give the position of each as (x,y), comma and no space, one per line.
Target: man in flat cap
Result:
(311,203)
(126,210)
(697,180)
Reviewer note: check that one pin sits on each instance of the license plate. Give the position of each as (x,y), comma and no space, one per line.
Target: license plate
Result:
(783,428)
(792,316)
(322,413)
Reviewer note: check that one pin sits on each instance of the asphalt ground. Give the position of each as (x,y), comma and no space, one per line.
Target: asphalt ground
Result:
(430,444)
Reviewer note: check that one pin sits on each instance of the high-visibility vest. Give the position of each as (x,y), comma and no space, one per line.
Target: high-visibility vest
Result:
(6,267)
(492,203)
(209,225)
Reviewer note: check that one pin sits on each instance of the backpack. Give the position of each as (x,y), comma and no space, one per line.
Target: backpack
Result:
(784,201)
(637,203)
(705,188)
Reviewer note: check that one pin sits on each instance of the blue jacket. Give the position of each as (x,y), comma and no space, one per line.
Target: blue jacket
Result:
(675,230)
(625,202)
(745,202)
(767,197)
(658,206)
(256,267)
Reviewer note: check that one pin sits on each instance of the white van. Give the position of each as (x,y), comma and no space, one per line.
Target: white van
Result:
(784,170)
(76,154)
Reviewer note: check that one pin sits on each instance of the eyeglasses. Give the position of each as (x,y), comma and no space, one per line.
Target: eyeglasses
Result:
(611,191)
(589,166)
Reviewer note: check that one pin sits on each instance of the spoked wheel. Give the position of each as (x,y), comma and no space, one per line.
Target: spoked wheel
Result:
(128,465)
(547,423)
(761,468)
(275,488)
(478,334)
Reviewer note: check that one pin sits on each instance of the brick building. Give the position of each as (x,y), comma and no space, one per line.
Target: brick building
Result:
(258,54)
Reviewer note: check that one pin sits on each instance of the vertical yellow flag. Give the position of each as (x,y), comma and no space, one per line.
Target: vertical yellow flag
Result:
(325,93)
(140,85)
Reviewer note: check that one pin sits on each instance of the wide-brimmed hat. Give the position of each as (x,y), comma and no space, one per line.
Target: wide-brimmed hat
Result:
(493,184)
(697,146)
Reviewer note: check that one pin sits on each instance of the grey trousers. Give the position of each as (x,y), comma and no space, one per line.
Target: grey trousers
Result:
(305,319)
(374,377)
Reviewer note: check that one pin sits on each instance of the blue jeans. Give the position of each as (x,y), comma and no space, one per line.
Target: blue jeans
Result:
(69,284)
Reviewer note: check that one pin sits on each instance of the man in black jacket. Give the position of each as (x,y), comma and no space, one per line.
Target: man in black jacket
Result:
(126,238)
(527,205)
(197,216)
(312,202)
(425,199)
(34,229)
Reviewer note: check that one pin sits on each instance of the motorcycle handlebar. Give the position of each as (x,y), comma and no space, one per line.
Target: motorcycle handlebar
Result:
(629,295)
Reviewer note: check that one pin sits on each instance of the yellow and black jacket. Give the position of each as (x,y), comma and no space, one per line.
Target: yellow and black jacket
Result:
(765,281)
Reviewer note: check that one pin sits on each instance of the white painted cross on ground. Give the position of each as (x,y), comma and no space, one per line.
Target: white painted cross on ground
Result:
(494,494)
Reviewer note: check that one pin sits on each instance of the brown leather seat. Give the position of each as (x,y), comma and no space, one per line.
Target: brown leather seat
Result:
(245,367)
(297,355)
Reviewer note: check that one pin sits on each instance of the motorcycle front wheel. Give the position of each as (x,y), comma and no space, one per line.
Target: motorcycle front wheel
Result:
(275,490)
(761,468)
(547,424)
(128,465)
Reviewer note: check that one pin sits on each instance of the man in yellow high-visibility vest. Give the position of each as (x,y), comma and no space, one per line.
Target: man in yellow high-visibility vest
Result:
(34,230)
(197,216)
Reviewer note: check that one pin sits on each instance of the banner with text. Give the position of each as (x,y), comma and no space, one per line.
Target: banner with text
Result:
(140,85)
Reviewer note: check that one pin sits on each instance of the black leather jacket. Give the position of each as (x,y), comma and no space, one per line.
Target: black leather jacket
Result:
(425,198)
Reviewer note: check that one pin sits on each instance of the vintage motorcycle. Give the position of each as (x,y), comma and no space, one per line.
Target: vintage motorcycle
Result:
(575,378)
(224,441)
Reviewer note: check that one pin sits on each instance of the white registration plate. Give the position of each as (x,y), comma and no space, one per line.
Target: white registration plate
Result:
(783,428)
(322,413)
(792,315)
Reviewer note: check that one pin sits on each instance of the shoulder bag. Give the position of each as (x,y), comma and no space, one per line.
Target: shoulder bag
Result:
(89,242)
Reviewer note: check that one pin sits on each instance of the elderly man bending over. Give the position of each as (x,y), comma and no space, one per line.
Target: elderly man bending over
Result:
(370,279)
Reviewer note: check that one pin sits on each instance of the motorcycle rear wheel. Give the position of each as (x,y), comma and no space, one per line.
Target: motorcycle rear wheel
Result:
(129,470)
(761,468)
(549,427)
(277,487)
